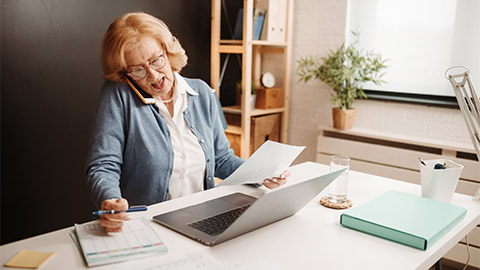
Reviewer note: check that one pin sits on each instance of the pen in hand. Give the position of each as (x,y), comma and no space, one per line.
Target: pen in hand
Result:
(131,209)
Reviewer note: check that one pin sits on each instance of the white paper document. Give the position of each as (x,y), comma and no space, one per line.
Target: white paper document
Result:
(200,260)
(197,261)
(255,264)
(270,160)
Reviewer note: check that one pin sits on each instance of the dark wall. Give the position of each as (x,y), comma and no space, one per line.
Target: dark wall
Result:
(50,80)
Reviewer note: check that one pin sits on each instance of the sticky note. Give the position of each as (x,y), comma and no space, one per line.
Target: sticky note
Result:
(29,259)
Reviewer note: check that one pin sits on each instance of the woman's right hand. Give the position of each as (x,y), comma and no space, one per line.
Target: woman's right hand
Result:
(114,222)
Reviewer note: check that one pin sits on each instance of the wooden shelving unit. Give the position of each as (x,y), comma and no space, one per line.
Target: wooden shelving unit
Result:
(251,52)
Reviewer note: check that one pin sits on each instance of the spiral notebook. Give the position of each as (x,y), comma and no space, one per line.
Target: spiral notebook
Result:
(137,240)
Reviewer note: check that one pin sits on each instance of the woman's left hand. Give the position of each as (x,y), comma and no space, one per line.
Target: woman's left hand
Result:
(276,181)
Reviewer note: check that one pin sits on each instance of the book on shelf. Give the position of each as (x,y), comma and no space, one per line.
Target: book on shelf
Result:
(275,22)
(238,32)
(258,21)
(404,218)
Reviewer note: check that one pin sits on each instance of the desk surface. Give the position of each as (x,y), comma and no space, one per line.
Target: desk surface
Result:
(311,238)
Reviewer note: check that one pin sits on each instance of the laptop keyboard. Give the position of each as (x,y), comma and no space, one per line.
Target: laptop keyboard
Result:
(219,223)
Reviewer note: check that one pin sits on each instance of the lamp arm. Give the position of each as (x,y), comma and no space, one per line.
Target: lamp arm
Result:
(469,103)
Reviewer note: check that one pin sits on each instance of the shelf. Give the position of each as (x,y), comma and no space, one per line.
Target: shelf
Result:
(254,42)
(231,42)
(264,48)
(253,65)
(233,130)
(269,43)
(230,49)
(236,46)
(236,109)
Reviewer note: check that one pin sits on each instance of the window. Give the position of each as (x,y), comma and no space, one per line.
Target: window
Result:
(421,39)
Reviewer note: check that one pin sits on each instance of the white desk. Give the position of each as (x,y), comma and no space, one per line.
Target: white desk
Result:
(311,239)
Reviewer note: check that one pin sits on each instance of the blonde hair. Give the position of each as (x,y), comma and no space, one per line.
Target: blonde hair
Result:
(125,32)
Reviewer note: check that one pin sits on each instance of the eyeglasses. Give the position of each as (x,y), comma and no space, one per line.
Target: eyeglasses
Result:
(140,72)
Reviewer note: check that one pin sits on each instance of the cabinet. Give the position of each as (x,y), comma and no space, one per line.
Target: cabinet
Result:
(272,53)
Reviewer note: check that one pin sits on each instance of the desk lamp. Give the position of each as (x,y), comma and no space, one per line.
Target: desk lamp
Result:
(469,103)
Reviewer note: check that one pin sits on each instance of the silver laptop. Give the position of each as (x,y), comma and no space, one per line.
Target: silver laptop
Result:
(223,218)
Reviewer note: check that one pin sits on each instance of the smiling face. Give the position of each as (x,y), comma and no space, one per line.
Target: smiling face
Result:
(158,83)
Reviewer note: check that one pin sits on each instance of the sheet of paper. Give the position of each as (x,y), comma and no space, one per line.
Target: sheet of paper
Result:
(255,264)
(73,236)
(199,261)
(137,240)
(270,160)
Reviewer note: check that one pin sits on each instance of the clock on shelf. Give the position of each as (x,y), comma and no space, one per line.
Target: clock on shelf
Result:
(268,80)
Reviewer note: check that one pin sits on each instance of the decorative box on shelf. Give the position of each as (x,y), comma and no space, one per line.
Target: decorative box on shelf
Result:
(263,128)
(268,98)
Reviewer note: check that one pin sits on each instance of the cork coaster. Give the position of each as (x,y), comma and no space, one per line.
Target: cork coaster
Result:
(325,202)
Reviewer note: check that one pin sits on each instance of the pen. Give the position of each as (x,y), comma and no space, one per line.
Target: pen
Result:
(440,166)
(131,209)
(421,161)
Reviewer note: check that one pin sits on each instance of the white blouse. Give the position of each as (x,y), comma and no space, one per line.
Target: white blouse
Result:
(189,159)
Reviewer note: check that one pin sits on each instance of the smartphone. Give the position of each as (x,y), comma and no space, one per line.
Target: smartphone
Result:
(145,100)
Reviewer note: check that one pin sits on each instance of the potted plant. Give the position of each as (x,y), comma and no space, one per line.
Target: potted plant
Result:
(239,86)
(345,70)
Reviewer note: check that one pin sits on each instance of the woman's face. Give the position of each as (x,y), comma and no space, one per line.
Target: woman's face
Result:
(146,54)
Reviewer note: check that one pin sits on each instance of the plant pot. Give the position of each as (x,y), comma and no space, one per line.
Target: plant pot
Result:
(343,119)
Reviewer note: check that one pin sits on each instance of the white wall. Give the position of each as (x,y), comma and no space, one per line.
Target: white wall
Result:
(319,25)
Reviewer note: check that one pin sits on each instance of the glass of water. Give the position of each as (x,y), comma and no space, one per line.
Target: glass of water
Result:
(337,192)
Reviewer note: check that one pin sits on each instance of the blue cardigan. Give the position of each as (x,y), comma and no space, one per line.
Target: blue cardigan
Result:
(131,154)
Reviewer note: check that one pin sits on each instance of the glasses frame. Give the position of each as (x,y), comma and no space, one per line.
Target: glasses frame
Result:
(149,64)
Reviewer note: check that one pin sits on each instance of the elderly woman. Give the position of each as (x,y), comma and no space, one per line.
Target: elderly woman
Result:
(157,135)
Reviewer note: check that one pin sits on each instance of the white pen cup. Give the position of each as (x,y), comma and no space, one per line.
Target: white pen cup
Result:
(439,184)
(337,192)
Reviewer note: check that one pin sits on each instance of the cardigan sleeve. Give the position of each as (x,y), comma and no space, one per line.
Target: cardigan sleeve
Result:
(226,162)
(105,155)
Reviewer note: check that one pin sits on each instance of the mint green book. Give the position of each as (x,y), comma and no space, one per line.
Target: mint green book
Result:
(404,218)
